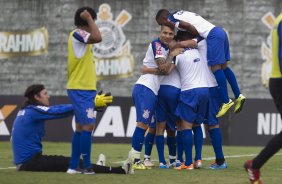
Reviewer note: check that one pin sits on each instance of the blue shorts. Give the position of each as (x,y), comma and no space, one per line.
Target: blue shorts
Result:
(153,122)
(192,105)
(145,103)
(215,103)
(167,103)
(217,47)
(83,105)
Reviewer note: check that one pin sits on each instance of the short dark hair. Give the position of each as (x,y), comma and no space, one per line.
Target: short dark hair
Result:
(78,21)
(183,35)
(30,92)
(168,25)
(161,12)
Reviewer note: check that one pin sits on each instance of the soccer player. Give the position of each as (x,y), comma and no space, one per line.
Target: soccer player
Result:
(211,121)
(275,87)
(146,89)
(29,129)
(81,85)
(217,54)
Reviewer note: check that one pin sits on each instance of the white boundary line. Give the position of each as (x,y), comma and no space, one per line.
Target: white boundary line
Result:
(213,158)
(3,168)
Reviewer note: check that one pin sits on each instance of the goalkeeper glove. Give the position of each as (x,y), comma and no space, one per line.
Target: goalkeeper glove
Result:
(103,99)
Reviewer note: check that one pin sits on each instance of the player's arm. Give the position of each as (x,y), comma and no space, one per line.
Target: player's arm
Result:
(95,34)
(166,65)
(146,70)
(189,27)
(52,112)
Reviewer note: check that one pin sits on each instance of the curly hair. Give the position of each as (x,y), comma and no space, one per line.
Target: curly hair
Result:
(78,21)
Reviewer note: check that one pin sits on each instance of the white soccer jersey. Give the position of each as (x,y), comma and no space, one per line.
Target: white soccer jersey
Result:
(202,47)
(79,41)
(201,25)
(155,50)
(192,69)
(173,79)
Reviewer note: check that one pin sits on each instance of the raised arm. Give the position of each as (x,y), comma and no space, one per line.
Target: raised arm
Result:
(95,35)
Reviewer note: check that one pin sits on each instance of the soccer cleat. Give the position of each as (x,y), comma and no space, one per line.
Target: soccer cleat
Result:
(198,164)
(101,160)
(177,163)
(148,163)
(74,171)
(254,174)
(163,166)
(224,108)
(184,167)
(88,171)
(139,166)
(239,102)
(215,166)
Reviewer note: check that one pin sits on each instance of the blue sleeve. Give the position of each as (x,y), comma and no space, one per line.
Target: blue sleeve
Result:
(53,112)
(172,19)
(280,44)
(79,37)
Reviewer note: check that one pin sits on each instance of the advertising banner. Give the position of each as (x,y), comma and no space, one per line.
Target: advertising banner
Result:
(254,126)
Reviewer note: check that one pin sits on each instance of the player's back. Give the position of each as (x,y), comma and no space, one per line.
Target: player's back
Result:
(193,70)
(201,25)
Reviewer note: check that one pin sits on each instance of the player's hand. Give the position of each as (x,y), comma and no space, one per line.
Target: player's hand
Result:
(172,45)
(85,15)
(176,51)
(103,99)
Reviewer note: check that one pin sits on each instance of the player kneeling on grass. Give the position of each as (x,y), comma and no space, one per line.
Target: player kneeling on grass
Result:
(29,128)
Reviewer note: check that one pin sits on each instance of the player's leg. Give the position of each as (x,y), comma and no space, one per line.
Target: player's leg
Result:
(149,142)
(216,57)
(160,143)
(171,144)
(211,121)
(145,103)
(198,143)
(83,103)
(179,144)
(231,78)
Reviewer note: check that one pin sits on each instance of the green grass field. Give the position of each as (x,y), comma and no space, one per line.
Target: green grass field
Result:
(271,172)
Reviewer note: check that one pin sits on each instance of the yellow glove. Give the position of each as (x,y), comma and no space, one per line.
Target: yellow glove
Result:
(103,99)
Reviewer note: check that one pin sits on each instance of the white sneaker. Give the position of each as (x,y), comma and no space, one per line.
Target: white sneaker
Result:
(148,163)
(128,164)
(74,171)
(101,160)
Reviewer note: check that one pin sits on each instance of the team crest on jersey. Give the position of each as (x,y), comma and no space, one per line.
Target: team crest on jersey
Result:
(90,113)
(266,49)
(146,114)
(113,55)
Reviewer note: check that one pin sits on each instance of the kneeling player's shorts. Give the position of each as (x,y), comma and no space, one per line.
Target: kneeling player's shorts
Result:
(145,103)
(192,105)
(215,103)
(167,103)
(83,105)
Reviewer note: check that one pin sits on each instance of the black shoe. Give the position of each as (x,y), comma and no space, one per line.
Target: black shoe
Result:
(89,171)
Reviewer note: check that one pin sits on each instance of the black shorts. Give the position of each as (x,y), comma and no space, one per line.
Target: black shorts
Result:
(275,88)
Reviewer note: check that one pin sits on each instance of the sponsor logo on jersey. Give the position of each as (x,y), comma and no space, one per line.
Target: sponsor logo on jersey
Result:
(113,55)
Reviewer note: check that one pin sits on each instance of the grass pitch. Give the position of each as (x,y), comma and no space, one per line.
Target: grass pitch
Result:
(234,174)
